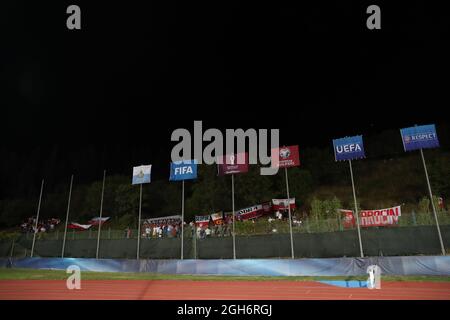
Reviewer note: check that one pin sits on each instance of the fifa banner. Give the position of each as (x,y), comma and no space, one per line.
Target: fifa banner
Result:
(232,164)
(420,137)
(282,204)
(349,148)
(141,174)
(380,218)
(183,170)
(97,220)
(202,221)
(348,219)
(164,220)
(287,157)
(217,218)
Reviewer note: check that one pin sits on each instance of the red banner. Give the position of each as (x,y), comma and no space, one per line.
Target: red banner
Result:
(380,218)
(287,157)
(232,164)
(348,219)
(282,204)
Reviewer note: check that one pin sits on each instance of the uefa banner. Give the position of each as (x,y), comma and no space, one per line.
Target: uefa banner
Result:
(183,170)
(349,148)
(381,217)
(232,164)
(282,204)
(141,174)
(287,157)
(419,137)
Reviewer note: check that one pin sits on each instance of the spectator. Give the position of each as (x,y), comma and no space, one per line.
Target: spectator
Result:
(207,232)
(147,231)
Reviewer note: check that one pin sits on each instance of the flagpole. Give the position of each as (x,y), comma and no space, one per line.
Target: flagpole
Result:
(139,223)
(289,210)
(432,203)
(232,201)
(67,217)
(356,210)
(182,219)
(100,220)
(37,219)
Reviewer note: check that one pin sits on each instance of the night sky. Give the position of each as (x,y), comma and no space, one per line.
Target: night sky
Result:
(138,70)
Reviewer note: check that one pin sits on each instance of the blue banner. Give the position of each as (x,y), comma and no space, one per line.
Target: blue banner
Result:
(419,137)
(349,148)
(183,170)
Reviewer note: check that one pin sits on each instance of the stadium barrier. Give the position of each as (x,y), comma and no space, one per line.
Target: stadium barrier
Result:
(417,265)
(421,240)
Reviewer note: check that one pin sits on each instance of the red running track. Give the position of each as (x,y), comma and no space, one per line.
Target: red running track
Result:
(216,290)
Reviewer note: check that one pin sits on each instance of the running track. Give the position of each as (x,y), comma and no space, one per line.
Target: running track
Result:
(216,290)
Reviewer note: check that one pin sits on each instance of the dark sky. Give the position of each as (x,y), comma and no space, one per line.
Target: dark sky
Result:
(138,70)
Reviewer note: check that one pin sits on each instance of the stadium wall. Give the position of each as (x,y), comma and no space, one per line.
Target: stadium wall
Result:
(400,241)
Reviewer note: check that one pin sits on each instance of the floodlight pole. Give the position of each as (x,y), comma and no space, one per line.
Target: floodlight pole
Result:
(356,210)
(67,217)
(139,223)
(432,203)
(232,202)
(100,219)
(37,219)
(290,216)
(182,219)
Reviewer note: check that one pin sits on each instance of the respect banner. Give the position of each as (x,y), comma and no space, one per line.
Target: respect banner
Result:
(419,137)
(381,217)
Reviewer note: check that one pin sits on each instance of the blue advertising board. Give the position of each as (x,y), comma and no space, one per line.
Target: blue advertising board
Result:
(183,170)
(348,148)
(419,137)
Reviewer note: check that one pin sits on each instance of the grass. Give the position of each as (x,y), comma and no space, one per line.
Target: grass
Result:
(33,274)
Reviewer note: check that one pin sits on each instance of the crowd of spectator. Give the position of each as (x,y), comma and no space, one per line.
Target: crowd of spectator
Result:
(163,229)
(48,225)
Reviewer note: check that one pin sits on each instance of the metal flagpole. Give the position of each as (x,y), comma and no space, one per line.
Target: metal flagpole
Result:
(37,219)
(232,201)
(432,203)
(139,223)
(100,218)
(289,210)
(182,219)
(67,218)
(356,211)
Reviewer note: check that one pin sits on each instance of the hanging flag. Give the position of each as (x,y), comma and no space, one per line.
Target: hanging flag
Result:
(141,174)
(232,164)
(175,219)
(349,148)
(267,207)
(78,226)
(282,204)
(202,221)
(419,137)
(96,221)
(217,218)
(183,170)
(381,217)
(348,218)
(287,157)
(250,212)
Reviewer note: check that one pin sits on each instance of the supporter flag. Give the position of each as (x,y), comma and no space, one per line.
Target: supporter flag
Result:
(349,148)
(78,226)
(202,221)
(183,170)
(419,137)
(380,217)
(250,212)
(141,174)
(217,218)
(282,204)
(287,157)
(232,164)
(96,221)
(348,218)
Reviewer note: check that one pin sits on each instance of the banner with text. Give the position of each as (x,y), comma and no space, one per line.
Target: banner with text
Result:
(183,170)
(381,217)
(349,148)
(287,157)
(232,164)
(419,137)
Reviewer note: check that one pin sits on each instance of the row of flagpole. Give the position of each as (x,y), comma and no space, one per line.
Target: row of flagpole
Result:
(295,162)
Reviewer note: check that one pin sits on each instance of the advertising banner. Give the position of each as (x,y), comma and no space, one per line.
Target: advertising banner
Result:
(183,170)
(349,148)
(419,137)
(141,174)
(232,164)
(287,157)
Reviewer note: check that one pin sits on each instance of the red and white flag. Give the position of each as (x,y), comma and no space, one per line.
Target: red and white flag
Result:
(217,218)
(381,217)
(96,221)
(282,204)
(202,221)
(78,226)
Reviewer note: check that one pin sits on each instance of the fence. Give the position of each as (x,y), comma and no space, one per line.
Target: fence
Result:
(376,242)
